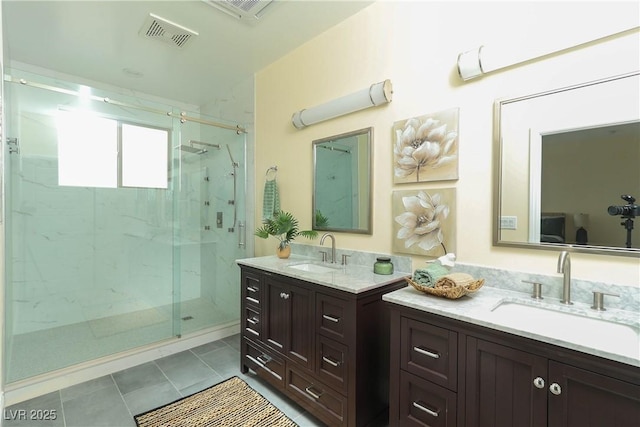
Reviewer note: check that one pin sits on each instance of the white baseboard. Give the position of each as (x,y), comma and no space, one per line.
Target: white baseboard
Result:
(63,378)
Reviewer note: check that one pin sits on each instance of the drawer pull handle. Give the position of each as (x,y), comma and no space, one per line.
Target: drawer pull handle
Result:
(284,295)
(312,393)
(425,409)
(426,352)
(330,318)
(253,300)
(254,360)
(253,320)
(252,289)
(276,343)
(331,362)
(264,367)
(264,359)
(252,331)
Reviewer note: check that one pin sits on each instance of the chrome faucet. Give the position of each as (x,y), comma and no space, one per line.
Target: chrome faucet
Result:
(333,245)
(564,267)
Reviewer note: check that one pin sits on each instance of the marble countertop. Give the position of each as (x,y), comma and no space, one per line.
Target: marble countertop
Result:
(612,334)
(349,278)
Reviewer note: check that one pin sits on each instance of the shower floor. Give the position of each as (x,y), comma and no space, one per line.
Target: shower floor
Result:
(47,350)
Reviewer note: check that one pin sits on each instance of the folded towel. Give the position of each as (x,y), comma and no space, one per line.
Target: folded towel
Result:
(271,202)
(458,279)
(429,275)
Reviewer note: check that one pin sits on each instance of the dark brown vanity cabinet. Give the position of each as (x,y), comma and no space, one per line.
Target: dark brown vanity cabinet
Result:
(326,349)
(450,373)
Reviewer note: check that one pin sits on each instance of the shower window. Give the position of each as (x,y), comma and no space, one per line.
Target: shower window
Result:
(87,150)
(144,156)
(88,153)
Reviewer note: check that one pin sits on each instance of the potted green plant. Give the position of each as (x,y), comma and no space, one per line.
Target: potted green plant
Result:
(284,227)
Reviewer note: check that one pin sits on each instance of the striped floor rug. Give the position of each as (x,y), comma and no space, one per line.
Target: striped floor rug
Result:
(229,403)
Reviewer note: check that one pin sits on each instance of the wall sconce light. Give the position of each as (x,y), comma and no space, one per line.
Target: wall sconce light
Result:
(374,95)
(485,59)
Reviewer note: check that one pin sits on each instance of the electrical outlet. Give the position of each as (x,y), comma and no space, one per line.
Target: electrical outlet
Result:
(508,222)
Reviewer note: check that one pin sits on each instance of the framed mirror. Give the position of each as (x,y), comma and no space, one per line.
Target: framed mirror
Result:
(342,182)
(567,168)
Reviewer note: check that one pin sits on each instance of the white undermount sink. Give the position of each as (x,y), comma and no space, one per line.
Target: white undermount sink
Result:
(312,268)
(567,326)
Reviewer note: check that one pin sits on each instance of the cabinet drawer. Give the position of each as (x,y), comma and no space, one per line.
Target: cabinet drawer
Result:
(323,402)
(332,317)
(267,366)
(429,352)
(252,291)
(423,403)
(333,363)
(252,323)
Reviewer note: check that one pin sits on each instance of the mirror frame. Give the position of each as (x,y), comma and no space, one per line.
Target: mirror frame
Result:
(497,181)
(369,225)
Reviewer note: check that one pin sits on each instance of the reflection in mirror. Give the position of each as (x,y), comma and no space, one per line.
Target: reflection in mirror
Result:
(342,182)
(566,159)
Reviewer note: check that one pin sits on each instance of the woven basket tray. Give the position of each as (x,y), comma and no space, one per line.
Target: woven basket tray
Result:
(450,292)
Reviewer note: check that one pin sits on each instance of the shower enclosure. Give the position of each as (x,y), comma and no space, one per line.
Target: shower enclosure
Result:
(123,219)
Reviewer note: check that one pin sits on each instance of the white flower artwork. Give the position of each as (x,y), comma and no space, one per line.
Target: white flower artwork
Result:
(424,221)
(426,148)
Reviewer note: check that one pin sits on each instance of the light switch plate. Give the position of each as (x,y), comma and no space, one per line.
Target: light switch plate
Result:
(508,222)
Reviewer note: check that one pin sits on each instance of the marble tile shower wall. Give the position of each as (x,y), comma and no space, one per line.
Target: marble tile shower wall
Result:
(85,253)
(207,252)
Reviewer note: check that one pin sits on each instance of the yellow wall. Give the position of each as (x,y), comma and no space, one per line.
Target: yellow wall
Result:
(415,45)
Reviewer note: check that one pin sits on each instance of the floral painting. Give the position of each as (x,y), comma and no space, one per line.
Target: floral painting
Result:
(424,221)
(426,148)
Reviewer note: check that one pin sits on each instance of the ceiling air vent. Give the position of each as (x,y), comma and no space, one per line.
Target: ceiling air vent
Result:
(164,30)
(244,10)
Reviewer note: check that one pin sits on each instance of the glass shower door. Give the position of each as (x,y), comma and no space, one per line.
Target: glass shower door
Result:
(211,223)
(123,224)
(89,266)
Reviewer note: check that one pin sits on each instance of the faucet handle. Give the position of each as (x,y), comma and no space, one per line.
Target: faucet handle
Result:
(536,291)
(598,300)
(344,259)
(324,255)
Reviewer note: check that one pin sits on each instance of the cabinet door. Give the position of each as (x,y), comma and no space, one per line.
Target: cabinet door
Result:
(288,326)
(503,387)
(275,328)
(300,326)
(582,398)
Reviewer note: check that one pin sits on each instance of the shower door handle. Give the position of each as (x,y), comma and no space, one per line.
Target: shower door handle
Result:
(241,234)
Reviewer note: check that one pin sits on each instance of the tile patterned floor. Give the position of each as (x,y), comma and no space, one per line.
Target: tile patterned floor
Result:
(112,400)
